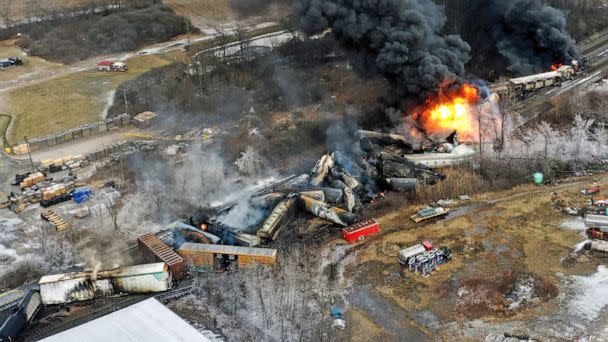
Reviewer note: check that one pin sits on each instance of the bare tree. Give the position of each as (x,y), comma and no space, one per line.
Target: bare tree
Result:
(289,25)
(112,208)
(6,12)
(240,33)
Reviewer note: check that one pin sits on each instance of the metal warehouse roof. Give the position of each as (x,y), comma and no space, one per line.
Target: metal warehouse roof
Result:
(148,320)
(224,249)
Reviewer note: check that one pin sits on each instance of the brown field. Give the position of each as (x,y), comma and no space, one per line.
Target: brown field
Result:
(20,7)
(495,238)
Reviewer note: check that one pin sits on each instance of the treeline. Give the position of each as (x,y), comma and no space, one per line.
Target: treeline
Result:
(15,13)
(104,27)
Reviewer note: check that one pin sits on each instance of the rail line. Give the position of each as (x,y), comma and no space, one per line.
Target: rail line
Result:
(38,332)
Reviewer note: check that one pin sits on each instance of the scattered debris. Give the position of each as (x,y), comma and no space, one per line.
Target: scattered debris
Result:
(428,213)
(424,258)
(591,191)
(144,119)
(338,315)
(55,219)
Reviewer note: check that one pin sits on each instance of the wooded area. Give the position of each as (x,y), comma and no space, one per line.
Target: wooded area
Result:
(96,27)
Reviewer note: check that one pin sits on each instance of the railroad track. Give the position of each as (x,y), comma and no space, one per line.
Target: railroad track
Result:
(287,181)
(114,304)
(175,294)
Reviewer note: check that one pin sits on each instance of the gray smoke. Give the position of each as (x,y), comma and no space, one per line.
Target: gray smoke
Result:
(521,36)
(401,39)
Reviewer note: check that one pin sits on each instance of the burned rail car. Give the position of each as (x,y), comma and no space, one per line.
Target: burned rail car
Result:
(87,285)
(153,249)
(221,256)
(24,313)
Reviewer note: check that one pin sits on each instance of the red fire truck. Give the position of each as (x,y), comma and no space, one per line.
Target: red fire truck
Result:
(360,230)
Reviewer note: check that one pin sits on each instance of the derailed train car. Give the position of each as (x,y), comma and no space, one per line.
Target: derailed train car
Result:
(83,286)
(24,313)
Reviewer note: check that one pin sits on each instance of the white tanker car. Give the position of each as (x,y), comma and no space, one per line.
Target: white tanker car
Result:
(531,83)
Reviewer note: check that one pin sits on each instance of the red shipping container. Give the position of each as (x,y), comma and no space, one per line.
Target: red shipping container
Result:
(360,230)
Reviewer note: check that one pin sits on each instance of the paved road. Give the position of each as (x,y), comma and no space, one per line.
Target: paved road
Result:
(42,75)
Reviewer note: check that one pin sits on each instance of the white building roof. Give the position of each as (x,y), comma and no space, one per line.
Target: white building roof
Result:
(148,320)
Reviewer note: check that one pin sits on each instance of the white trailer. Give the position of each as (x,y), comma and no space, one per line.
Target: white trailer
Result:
(145,278)
(66,288)
(410,252)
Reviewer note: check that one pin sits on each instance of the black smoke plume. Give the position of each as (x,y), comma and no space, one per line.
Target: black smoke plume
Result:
(519,37)
(401,39)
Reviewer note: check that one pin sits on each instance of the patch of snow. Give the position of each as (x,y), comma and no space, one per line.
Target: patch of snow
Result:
(577,224)
(523,293)
(109,103)
(590,294)
(264,25)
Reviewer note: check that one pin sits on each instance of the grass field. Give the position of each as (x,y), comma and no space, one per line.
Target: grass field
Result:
(30,64)
(71,100)
(202,12)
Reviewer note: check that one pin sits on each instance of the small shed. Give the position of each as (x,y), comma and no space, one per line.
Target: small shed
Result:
(105,65)
(144,119)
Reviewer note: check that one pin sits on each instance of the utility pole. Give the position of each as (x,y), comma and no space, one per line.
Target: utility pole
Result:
(187,32)
(27,144)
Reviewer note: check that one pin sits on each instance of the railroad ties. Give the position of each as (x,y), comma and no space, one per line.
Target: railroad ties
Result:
(55,219)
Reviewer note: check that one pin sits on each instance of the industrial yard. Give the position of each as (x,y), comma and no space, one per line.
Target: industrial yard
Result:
(290,171)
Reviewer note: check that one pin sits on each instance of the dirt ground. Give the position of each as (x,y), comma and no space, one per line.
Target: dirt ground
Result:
(210,13)
(497,239)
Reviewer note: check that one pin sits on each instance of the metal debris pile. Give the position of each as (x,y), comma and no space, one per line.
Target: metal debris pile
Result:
(335,190)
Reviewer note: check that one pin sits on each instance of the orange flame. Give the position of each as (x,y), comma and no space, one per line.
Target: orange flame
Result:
(554,67)
(450,110)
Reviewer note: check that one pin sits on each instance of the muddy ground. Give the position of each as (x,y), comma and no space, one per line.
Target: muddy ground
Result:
(510,271)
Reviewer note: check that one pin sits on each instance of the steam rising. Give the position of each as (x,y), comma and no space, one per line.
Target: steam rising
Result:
(401,39)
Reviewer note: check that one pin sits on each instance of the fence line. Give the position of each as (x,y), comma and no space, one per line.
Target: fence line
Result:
(73,134)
